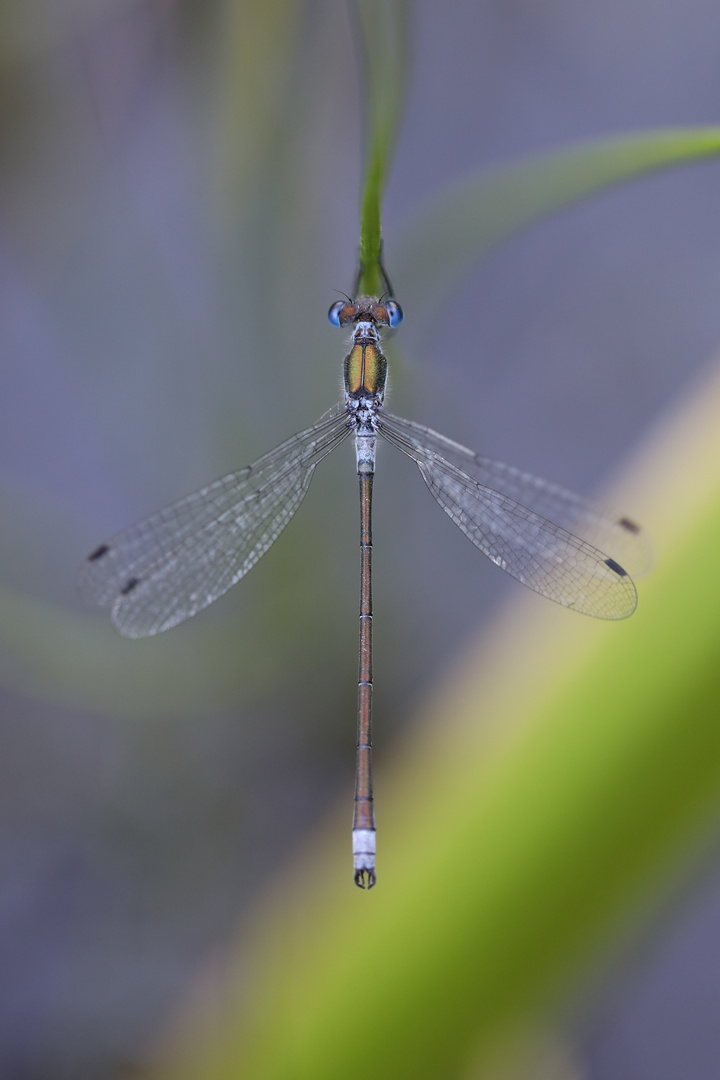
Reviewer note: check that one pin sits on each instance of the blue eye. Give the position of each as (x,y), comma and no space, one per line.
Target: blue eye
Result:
(395,313)
(334,312)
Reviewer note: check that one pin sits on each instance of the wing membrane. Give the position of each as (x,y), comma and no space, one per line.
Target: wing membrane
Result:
(523,524)
(173,564)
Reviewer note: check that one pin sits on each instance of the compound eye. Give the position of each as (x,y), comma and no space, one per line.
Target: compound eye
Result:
(394,313)
(335,312)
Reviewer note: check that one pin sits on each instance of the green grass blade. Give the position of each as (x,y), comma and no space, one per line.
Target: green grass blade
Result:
(382,35)
(537,817)
(443,238)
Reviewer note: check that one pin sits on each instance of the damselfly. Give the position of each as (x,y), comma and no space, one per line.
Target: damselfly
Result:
(165,569)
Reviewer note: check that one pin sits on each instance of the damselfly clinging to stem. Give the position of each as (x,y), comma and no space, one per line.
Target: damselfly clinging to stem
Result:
(165,569)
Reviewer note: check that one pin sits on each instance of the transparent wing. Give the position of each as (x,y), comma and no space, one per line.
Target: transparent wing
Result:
(614,534)
(172,565)
(509,515)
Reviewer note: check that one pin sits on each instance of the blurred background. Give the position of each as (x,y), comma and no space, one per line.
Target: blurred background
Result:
(179,187)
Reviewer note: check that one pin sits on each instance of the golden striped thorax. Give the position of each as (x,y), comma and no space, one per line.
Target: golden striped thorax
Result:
(365,369)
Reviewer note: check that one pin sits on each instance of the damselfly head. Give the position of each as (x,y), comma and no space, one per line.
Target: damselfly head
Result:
(382,313)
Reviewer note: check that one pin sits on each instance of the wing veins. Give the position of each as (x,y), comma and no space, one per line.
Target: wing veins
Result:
(613,534)
(541,554)
(232,520)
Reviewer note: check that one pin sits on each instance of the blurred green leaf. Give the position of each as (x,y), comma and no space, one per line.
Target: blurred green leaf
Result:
(526,825)
(382,34)
(456,228)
